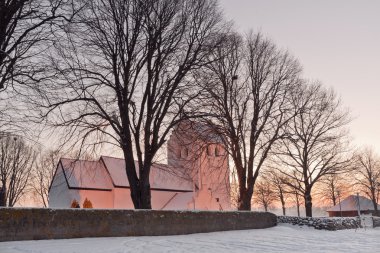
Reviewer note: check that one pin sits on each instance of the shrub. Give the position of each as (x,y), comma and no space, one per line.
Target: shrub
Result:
(75,204)
(87,204)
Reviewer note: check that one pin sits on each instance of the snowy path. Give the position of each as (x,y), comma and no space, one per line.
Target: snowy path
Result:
(283,238)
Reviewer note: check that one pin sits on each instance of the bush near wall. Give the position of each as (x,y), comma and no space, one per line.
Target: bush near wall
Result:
(87,204)
(37,223)
(75,204)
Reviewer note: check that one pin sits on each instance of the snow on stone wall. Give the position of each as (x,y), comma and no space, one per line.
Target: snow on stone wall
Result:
(322,223)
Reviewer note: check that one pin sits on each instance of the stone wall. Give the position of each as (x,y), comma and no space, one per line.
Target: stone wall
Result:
(35,224)
(322,223)
(376,222)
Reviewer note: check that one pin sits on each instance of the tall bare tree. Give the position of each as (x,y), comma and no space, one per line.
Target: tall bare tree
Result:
(16,163)
(122,75)
(250,84)
(316,146)
(368,175)
(24,26)
(26,30)
(43,173)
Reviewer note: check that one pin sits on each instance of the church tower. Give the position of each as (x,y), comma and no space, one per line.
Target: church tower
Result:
(199,154)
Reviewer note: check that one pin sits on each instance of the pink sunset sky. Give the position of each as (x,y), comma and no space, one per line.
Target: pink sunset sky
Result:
(337,42)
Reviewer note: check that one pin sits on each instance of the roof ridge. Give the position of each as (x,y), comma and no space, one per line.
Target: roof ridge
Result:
(81,160)
(153,163)
(112,157)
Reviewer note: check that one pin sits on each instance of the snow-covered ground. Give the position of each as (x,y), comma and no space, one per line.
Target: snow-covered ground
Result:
(283,238)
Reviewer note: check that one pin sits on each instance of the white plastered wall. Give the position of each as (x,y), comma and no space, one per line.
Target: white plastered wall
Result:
(60,196)
(122,198)
(99,199)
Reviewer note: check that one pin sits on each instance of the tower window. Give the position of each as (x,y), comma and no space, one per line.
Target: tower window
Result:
(208,151)
(185,153)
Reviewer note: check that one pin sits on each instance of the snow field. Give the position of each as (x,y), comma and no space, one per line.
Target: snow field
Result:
(283,238)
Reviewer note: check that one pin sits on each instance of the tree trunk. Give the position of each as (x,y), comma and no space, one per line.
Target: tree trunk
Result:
(283,204)
(3,196)
(145,196)
(141,196)
(333,193)
(374,201)
(244,201)
(298,204)
(135,195)
(298,210)
(308,204)
(283,209)
(375,205)
(140,188)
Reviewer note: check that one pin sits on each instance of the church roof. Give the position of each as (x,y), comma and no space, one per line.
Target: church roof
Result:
(109,172)
(162,177)
(116,169)
(200,130)
(351,204)
(208,132)
(81,174)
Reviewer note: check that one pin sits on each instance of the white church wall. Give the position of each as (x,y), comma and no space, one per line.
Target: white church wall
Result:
(214,178)
(205,201)
(99,199)
(181,201)
(122,198)
(60,196)
(160,199)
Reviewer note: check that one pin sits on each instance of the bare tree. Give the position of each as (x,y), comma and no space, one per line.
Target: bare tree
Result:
(279,187)
(368,175)
(316,146)
(250,84)
(16,163)
(122,76)
(26,30)
(297,198)
(24,26)
(234,189)
(293,192)
(264,196)
(43,174)
(333,188)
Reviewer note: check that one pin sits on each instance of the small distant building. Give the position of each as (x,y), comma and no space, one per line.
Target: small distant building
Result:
(350,206)
(196,176)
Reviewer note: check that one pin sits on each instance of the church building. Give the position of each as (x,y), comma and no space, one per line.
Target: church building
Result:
(196,176)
